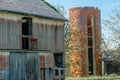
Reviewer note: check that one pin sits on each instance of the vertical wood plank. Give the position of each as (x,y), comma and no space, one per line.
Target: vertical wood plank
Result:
(24,66)
(47,75)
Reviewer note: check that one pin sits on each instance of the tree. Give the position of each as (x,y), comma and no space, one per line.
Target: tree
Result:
(104,46)
(58,8)
(113,25)
(61,10)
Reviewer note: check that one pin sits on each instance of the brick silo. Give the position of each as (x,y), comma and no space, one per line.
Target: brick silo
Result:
(84,45)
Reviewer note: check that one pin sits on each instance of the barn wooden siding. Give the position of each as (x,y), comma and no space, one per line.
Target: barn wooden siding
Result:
(26,65)
(49,32)
(9,32)
(50,37)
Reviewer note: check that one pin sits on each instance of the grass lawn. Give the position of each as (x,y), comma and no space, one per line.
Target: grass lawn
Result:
(107,77)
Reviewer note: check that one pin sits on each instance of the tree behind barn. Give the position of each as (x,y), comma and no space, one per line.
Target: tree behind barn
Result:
(113,25)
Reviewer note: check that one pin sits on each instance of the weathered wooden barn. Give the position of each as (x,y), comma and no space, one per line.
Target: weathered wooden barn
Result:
(31,41)
(111,63)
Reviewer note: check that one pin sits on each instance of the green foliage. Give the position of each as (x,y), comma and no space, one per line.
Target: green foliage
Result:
(53,7)
(61,10)
(107,77)
(104,46)
(67,56)
(58,8)
(116,66)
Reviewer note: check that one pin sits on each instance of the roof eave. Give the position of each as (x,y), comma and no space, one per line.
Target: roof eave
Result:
(35,15)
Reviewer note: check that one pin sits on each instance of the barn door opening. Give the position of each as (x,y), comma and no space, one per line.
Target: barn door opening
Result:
(26,32)
(24,66)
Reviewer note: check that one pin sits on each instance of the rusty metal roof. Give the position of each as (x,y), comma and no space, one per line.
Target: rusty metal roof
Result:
(31,7)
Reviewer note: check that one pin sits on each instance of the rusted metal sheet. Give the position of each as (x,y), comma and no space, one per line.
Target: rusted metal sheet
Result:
(4,60)
(46,60)
(42,61)
(4,65)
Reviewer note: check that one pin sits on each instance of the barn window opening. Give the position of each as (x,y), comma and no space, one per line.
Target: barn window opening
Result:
(58,62)
(90,58)
(26,26)
(25,43)
(26,32)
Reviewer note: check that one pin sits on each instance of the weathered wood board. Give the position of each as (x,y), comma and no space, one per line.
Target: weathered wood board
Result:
(24,66)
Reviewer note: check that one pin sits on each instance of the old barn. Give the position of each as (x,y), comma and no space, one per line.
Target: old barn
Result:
(31,41)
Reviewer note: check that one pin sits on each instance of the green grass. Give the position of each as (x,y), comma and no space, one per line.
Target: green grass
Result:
(107,77)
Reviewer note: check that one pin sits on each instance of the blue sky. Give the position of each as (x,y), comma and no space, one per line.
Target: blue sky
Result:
(106,6)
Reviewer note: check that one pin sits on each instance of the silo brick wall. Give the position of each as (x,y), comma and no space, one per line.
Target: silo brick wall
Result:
(98,54)
(77,46)
(78,41)
(98,64)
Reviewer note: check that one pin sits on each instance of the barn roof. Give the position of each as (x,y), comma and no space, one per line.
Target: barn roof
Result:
(31,7)
(109,56)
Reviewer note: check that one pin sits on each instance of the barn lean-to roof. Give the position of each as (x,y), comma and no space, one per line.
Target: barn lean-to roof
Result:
(110,56)
(30,7)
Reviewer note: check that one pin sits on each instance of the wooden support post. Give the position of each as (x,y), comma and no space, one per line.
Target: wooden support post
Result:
(59,73)
(94,47)
(47,75)
(52,74)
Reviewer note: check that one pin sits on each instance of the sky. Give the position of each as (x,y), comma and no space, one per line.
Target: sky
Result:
(105,6)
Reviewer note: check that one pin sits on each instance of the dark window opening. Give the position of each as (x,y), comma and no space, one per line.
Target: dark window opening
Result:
(90,58)
(88,21)
(26,26)
(58,62)
(25,43)
(89,41)
(26,31)
(89,31)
